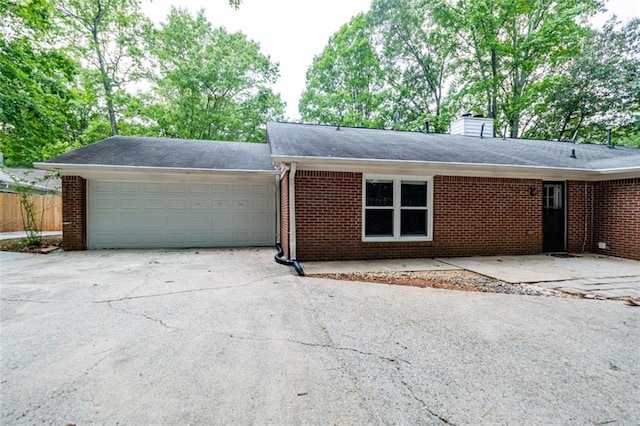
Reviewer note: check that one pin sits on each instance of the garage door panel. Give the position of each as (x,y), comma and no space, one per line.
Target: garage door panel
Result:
(177,188)
(200,188)
(176,204)
(153,187)
(174,215)
(202,222)
(241,189)
(241,205)
(262,189)
(103,187)
(130,204)
(107,203)
(200,204)
(220,204)
(262,237)
(261,204)
(130,187)
(153,204)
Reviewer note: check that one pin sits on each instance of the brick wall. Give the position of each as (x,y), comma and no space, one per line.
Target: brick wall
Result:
(580,216)
(284,214)
(472,216)
(617,217)
(74,225)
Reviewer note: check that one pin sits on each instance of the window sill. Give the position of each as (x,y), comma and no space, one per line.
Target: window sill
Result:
(395,239)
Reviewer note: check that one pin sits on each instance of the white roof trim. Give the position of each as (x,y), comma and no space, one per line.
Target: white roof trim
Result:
(161,174)
(65,168)
(456,169)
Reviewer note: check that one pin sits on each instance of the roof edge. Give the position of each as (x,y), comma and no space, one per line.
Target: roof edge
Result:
(62,167)
(462,169)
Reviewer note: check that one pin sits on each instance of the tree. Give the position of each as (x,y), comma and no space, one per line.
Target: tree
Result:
(507,48)
(597,89)
(345,84)
(417,56)
(107,34)
(210,84)
(35,100)
(24,187)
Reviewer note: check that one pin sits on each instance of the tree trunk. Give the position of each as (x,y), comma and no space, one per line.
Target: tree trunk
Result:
(106,80)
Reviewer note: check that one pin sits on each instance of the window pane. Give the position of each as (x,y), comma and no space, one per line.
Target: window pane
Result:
(413,194)
(378,223)
(379,193)
(413,222)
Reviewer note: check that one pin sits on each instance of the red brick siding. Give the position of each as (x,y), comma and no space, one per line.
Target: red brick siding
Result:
(579,214)
(74,224)
(284,214)
(617,217)
(472,216)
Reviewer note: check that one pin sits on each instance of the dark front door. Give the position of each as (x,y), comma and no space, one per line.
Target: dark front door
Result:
(553,217)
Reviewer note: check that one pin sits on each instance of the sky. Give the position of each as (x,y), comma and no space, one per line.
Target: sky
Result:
(292,32)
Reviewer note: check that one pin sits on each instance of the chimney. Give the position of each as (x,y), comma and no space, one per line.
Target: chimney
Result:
(468,125)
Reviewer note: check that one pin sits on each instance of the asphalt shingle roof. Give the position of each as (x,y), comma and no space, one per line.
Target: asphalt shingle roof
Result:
(171,153)
(306,140)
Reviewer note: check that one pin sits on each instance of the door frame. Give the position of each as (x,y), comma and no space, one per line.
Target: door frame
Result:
(563,184)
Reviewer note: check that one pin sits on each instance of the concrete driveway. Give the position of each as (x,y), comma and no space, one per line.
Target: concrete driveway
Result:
(229,336)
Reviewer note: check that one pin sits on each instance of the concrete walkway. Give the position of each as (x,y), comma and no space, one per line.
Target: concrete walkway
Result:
(22,234)
(588,274)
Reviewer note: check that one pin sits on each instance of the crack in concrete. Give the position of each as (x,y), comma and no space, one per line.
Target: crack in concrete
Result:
(145,296)
(421,401)
(196,290)
(159,321)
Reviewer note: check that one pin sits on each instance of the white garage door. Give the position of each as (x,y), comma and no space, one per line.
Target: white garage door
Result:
(168,215)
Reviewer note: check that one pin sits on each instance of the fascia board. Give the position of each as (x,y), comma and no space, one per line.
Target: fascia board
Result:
(455,169)
(94,171)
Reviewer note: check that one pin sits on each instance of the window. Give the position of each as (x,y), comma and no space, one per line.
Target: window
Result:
(397,209)
(553,196)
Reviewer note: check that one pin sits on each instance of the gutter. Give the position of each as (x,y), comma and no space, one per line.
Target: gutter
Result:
(182,170)
(458,169)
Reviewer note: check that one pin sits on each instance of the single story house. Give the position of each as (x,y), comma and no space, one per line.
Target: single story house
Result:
(332,193)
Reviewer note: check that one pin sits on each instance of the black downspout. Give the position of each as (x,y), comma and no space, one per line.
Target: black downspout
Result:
(279,259)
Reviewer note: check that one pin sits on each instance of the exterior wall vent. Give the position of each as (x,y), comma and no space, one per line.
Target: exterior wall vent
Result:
(472,126)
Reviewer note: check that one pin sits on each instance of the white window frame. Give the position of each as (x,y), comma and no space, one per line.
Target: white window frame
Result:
(397,208)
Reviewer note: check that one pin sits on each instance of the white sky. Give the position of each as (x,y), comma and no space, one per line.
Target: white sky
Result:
(292,32)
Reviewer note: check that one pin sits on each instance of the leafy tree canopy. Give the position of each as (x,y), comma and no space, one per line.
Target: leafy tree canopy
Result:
(210,84)
(345,84)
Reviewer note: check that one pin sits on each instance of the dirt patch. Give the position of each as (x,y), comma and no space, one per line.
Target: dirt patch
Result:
(450,280)
(19,245)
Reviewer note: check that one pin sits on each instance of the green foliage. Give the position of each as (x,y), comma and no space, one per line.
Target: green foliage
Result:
(417,57)
(598,88)
(35,100)
(106,34)
(345,84)
(24,188)
(210,84)
(507,48)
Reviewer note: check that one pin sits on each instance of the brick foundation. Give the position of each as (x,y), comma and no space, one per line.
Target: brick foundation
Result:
(74,225)
(617,218)
(472,216)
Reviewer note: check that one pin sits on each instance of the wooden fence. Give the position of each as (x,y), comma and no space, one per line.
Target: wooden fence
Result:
(48,212)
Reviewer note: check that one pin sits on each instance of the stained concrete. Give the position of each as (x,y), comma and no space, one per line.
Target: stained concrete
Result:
(230,337)
(601,276)
(387,265)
